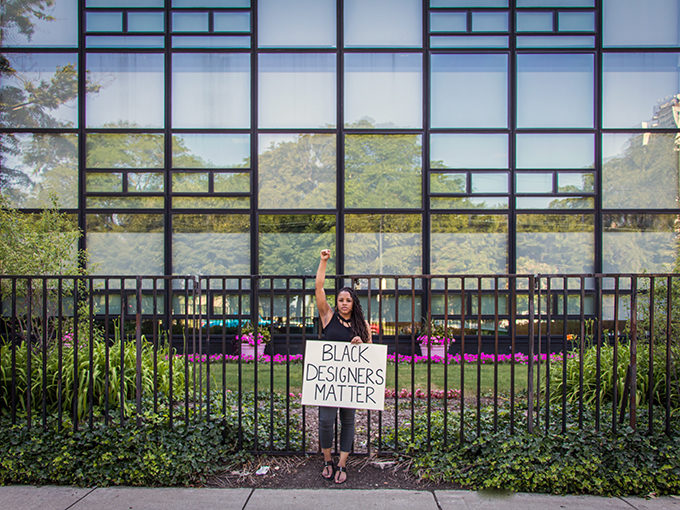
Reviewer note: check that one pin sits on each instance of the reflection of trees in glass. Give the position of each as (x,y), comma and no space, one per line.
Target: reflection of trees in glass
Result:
(383,171)
(298,174)
(639,242)
(464,243)
(290,244)
(645,175)
(555,243)
(383,243)
(35,165)
(211,244)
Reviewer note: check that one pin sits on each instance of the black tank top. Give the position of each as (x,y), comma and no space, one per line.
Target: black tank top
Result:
(336,332)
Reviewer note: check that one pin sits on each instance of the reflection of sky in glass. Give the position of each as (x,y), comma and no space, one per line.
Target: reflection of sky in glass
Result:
(131,92)
(211,90)
(296,24)
(555,151)
(297,90)
(383,23)
(469,151)
(636,23)
(385,89)
(60,31)
(555,90)
(633,84)
(489,183)
(533,183)
(216,150)
(37,68)
(469,91)
(534,21)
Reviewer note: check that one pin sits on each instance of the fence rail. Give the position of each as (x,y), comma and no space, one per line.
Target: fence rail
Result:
(538,352)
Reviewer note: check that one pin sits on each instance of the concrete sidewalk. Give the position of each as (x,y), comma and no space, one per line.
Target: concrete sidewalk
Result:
(127,498)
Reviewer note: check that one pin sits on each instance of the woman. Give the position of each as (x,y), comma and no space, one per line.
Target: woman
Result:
(345,323)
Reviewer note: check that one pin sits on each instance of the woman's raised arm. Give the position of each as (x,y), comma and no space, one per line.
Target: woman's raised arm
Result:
(325,310)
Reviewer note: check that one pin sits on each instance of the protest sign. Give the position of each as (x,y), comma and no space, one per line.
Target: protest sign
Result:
(341,374)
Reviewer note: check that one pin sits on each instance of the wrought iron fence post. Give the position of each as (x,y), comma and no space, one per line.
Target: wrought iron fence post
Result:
(138,342)
(530,368)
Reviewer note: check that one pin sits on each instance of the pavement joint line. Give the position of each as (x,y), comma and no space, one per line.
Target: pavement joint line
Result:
(252,491)
(627,502)
(79,500)
(436,501)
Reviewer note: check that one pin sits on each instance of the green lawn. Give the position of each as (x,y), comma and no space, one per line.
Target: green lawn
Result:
(420,377)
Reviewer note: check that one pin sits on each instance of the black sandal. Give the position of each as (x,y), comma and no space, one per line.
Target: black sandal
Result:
(341,469)
(330,464)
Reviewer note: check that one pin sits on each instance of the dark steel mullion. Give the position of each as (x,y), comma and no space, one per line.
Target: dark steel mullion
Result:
(82,154)
(512,126)
(254,164)
(650,373)
(167,158)
(396,368)
(425,157)
(44,352)
(340,141)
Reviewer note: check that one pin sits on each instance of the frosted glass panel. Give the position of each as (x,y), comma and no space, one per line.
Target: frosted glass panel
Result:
(297,90)
(636,23)
(297,23)
(555,91)
(468,151)
(383,90)
(130,93)
(383,23)
(469,91)
(555,151)
(211,90)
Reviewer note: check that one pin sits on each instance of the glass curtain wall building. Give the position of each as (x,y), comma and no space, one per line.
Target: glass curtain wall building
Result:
(443,136)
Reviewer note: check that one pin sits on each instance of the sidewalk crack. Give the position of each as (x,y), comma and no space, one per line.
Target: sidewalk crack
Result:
(252,491)
(80,499)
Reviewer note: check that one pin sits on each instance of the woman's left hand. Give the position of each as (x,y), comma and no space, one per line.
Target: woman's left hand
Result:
(357,340)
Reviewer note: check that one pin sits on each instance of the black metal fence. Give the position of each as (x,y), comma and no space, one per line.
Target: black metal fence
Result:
(528,351)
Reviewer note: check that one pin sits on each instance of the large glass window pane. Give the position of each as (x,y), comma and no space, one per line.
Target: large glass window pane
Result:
(637,243)
(636,23)
(125,244)
(125,90)
(640,90)
(290,244)
(296,23)
(555,90)
(215,244)
(640,171)
(210,150)
(469,91)
(211,90)
(39,90)
(25,23)
(383,90)
(555,151)
(383,244)
(469,243)
(383,171)
(297,171)
(383,23)
(555,243)
(127,150)
(468,151)
(34,166)
(297,90)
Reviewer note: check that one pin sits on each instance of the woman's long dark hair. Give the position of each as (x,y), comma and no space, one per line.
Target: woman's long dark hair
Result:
(357,317)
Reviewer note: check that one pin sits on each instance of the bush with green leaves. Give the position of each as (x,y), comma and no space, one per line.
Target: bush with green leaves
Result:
(75,361)
(152,454)
(609,376)
(576,462)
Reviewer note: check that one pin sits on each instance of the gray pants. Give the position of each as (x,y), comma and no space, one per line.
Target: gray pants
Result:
(326,423)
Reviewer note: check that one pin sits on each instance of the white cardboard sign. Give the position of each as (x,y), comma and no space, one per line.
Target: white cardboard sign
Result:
(341,374)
